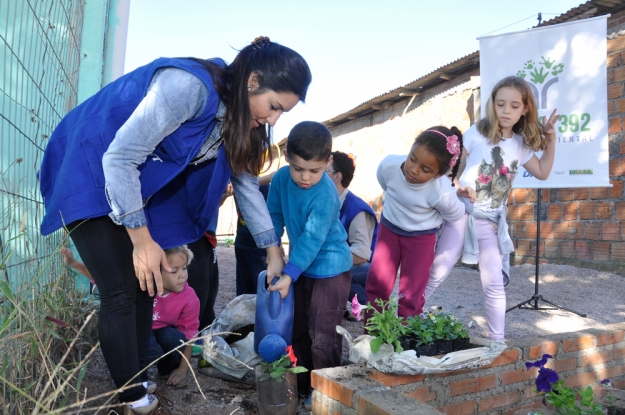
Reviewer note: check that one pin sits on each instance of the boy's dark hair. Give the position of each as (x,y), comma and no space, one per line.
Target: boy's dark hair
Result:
(437,145)
(344,164)
(309,140)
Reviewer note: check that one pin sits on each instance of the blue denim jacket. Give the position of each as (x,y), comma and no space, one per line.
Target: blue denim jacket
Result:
(173,97)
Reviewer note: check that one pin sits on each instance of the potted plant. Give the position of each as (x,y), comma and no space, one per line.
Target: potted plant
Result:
(562,397)
(384,324)
(276,385)
(459,335)
(420,328)
(442,324)
(407,341)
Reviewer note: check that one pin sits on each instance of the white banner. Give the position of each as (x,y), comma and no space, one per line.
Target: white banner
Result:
(565,65)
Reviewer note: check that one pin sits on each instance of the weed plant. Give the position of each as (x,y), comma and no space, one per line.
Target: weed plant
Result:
(48,331)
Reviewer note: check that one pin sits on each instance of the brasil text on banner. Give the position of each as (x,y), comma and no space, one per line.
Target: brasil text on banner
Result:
(565,65)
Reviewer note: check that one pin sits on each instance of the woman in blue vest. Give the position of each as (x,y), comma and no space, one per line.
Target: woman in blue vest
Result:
(141,166)
(358,220)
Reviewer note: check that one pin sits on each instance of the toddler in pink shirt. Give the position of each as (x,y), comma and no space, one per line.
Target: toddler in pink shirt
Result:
(175,318)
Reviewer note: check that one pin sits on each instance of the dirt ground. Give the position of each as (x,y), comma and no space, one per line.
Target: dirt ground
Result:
(220,397)
(597,294)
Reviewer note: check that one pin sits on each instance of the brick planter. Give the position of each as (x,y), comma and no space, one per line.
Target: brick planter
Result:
(582,358)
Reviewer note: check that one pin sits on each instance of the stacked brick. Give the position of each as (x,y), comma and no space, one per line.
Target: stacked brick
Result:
(582,358)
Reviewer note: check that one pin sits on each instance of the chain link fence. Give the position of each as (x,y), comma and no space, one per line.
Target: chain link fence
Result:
(39,61)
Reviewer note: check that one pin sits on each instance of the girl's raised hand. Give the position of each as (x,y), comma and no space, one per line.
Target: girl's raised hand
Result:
(549,125)
(466,191)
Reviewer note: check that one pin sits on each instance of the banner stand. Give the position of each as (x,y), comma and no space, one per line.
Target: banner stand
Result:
(537,297)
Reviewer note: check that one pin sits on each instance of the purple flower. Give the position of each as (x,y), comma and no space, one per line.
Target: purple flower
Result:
(539,363)
(545,378)
(529,365)
(605,382)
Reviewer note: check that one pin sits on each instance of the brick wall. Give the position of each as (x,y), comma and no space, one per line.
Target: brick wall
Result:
(582,358)
(581,227)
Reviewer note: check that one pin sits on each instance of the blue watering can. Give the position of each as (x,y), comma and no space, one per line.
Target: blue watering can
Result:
(273,325)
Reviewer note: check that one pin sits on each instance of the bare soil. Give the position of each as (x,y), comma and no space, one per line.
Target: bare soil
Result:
(598,294)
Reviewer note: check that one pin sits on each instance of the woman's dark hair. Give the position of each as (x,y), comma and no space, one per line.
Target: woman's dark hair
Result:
(277,69)
(344,164)
(436,144)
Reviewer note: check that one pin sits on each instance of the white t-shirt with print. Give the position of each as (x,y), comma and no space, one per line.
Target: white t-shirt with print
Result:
(490,170)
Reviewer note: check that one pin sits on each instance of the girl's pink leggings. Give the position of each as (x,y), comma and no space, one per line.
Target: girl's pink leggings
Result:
(448,252)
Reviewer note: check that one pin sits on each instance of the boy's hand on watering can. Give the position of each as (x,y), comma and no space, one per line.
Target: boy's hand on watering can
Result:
(282,285)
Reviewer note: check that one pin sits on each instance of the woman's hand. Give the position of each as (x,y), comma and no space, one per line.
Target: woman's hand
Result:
(148,257)
(275,262)
(549,126)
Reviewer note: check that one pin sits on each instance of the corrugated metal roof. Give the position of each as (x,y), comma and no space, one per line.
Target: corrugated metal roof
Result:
(434,78)
(462,66)
(584,11)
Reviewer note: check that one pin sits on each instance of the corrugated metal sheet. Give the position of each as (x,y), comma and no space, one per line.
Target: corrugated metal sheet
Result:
(431,80)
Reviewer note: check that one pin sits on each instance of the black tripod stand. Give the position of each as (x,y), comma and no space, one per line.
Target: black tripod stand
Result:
(537,297)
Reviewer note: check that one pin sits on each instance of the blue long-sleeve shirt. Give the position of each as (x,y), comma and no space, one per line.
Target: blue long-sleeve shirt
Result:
(317,241)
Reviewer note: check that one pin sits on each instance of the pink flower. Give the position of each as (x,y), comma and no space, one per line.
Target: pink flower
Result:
(504,170)
(356,307)
(484,179)
(453,146)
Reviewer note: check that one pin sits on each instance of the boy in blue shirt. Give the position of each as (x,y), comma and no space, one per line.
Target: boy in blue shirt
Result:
(303,199)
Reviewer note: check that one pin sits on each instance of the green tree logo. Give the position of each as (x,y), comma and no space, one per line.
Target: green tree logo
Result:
(538,74)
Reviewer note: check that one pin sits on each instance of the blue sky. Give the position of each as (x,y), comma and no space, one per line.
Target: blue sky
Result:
(356,49)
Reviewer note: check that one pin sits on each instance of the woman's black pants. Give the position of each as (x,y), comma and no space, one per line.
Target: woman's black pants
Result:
(125,319)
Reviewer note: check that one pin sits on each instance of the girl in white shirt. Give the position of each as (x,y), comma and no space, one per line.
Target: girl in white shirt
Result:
(494,149)
(418,197)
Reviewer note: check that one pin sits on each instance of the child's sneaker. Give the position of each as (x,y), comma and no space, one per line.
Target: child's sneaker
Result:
(151,404)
